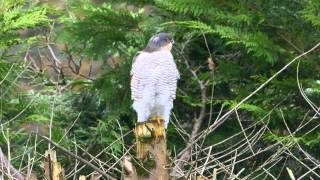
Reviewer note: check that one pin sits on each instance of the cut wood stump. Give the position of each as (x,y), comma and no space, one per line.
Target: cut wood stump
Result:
(151,150)
(52,168)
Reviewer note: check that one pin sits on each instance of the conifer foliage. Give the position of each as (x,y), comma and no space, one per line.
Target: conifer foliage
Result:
(225,50)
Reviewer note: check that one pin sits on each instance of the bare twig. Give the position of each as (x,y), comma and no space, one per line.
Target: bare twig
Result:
(226,115)
(78,157)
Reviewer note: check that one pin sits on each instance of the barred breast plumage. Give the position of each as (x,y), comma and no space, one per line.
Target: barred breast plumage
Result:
(156,71)
(154,84)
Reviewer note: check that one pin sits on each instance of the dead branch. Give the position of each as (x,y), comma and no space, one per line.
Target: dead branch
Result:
(199,119)
(8,169)
(222,119)
(65,151)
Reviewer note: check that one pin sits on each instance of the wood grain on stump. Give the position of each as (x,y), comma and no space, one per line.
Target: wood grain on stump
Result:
(151,151)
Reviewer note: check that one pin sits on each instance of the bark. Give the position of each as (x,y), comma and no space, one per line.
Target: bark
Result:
(7,169)
(53,169)
(151,151)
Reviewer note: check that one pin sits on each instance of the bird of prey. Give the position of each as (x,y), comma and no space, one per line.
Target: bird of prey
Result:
(154,77)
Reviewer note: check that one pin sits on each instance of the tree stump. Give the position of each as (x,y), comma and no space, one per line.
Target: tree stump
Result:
(151,150)
(53,169)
